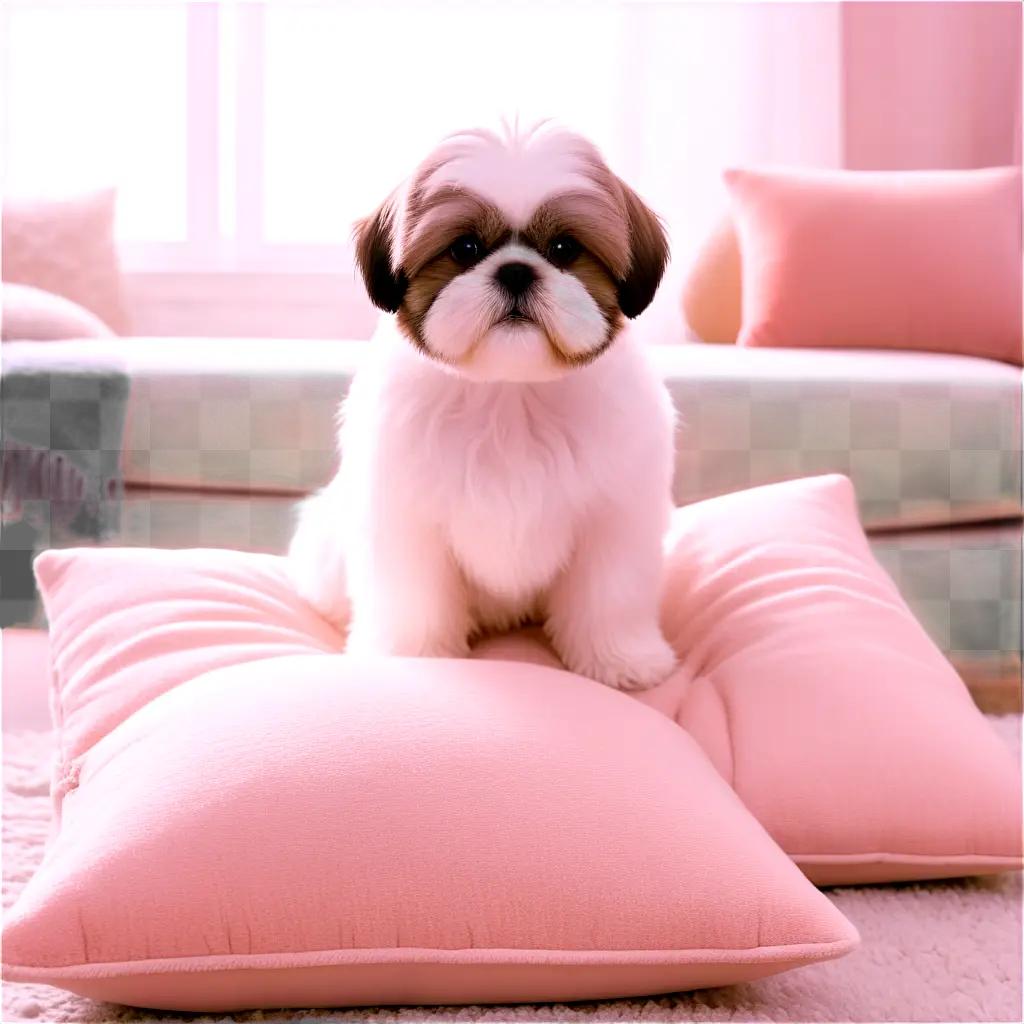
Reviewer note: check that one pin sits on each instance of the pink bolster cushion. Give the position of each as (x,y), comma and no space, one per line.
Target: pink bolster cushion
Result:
(927,260)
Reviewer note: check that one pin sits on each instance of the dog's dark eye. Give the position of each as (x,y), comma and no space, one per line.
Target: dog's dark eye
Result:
(563,249)
(467,250)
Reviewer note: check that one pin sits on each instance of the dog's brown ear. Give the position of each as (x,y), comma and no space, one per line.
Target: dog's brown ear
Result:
(648,251)
(385,284)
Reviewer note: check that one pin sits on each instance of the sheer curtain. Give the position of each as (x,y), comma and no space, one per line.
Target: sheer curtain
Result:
(246,137)
(95,95)
(672,92)
(931,84)
(710,85)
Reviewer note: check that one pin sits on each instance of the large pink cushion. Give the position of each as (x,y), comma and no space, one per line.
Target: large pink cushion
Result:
(313,830)
(822,700)
(926,260)
(804,675)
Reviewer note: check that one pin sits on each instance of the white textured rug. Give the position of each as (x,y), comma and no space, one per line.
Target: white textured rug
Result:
(943,952)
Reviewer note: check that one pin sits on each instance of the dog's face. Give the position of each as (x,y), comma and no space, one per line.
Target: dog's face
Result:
(512,258)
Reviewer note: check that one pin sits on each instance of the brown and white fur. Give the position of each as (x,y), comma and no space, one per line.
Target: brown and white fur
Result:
(506,448)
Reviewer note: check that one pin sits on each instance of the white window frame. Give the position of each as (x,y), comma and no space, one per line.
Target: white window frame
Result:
(206,248)
(236,283)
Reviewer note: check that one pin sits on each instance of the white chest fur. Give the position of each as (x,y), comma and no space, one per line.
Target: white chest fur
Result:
(509,473)
(520,484)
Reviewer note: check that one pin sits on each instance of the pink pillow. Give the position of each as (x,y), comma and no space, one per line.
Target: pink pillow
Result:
(820,698)
(786,627)
(927,260)
(804,677)
(32,314)
(66,246)
(317,830)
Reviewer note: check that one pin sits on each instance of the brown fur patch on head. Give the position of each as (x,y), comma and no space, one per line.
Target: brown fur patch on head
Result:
(647,245)
(595,220)
(594,276)
(385,283)
(432,223)
(420,295)
(599,225)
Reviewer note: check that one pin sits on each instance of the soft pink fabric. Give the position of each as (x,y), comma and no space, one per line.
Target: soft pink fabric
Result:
(33,314)
(66,246)
(140,621)
(322,830)
(927,260)
(968,969)
(804,675)
(822,700)
(930,84)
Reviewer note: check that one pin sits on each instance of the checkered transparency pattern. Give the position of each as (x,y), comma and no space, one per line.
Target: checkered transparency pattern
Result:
(918,453)
(60,483)
(230,454)
(234,431)
(180,519)
(963,585)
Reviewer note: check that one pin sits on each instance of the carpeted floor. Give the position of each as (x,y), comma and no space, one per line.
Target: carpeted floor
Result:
(943,952)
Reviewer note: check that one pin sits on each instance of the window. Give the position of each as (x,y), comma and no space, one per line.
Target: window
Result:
(356,94)
(97,95)
(251,136)
(246,137)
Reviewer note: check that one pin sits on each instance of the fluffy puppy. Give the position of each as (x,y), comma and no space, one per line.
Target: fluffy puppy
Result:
(506,448)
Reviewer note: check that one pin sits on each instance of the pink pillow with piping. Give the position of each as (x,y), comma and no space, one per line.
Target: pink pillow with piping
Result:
(33,314)
(786,627)
(317,830)
(818,696)
(66,246)
(926,260)
(805,678)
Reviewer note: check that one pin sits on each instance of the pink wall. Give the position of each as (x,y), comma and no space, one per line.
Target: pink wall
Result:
(931,84)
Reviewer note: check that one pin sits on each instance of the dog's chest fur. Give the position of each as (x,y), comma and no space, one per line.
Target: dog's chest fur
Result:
(510,477)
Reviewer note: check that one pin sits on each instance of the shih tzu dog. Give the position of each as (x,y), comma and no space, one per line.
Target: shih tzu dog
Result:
(507,451)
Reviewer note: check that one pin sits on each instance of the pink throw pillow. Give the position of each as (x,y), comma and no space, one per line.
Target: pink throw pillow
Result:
(66,246)
(926,260)
(32,314)
(317,830)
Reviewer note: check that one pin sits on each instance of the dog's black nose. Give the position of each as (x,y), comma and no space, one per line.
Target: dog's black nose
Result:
(515,278)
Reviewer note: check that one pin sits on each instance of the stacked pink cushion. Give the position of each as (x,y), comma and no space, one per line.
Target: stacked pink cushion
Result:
(246,817)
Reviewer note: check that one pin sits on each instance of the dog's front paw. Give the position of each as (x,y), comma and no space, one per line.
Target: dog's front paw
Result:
(625,661)
(325,592)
